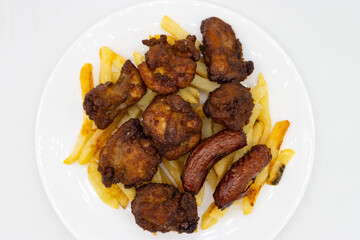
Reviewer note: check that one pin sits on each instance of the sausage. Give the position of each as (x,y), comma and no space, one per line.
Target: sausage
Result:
(206,154)
(234,185)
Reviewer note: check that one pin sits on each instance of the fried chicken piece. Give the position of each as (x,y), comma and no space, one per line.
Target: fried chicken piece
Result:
(223,52)
(105,101)
(173,125)
(161,207)
(128,157)
(230,105)
(168,68)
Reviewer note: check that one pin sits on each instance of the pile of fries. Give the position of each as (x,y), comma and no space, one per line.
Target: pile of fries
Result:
(258,131)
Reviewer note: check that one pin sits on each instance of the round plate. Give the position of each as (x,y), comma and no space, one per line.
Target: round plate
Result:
(60,117)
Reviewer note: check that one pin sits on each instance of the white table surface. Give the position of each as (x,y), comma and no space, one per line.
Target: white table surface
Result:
(321,37)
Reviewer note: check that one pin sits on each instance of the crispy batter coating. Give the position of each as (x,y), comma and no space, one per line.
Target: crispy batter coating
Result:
(223,52)
(168,68)
(128,157)
(105,101)
(230,105)
(234,185)
(173,125)
(161,207)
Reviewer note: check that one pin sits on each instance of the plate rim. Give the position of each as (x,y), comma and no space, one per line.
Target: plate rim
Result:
(147,3)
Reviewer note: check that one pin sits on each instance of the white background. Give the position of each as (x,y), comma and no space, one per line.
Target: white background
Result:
(321,37)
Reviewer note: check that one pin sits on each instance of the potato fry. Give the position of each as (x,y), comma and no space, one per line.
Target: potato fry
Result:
(204,84)
(212,178)
(111,196)
(217,127)
(118,61)
(174,29)
(129,192)
(175,171)
(199,197)
(207,123)
(105,65)
(201,68)
(138,58)
(165,178)
(115,76)
(186,94)
(265,113)
(86,83)
(279,166)
(222,166)
(97,141)
(146,99)
(257,131)
(132,112)
(275,140)
(211,216)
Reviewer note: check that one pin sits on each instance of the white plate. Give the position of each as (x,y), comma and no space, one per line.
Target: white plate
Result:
(60,117)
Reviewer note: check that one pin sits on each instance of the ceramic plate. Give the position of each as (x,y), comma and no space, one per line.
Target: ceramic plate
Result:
(60,117)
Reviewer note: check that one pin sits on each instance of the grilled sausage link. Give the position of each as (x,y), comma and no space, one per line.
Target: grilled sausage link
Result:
(234,185)
(206,154)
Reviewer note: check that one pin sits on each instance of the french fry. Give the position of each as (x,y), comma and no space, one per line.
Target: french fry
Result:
(279,166)
(257,131)
(222,166)
(86,83)
(118,61)
(217,127)
(254,116)
(201,68)
(138,58)
(129,192)
(112,196)
(275,140)
(207,123)
(204,84)
(164,177)
(146,99)
(212,178)
(265,113)
(115,76)
(199,197)
(174,29)
(98,140)
(175,171)
(186,94)
(211,216)
(132,112)
(106,57)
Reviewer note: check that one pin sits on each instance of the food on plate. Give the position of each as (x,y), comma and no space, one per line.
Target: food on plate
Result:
(104,102)
(234,123)
(168,68)
(223,52)
(128,157)
(230,105)
(206,154)
(173,125)
(163,208)
(234,185)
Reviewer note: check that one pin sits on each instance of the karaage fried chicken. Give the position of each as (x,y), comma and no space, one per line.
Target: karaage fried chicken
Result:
(223,52)
(173,125)
(230,105)
(168,68)
(105,101)
(162,208)
(128,157)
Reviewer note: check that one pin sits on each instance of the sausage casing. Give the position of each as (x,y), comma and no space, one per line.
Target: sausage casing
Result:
(206,154)
(234,185)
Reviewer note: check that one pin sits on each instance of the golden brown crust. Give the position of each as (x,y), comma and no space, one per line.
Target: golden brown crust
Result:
(161,207)
(168,68)
(206,154)
(105,101)
(173,125)
(128,157)
(234,185)
(223,52)
(230,105)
